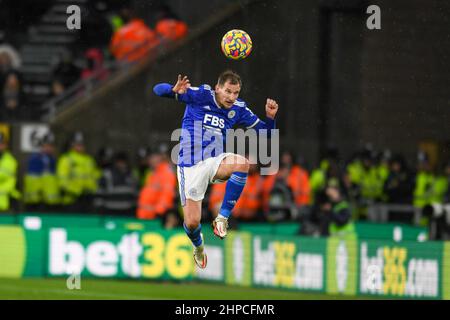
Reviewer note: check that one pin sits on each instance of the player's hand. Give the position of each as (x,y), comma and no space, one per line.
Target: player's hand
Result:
(271,108)
(182,85)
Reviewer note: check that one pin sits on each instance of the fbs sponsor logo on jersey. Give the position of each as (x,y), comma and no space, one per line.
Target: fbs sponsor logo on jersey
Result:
(214,121)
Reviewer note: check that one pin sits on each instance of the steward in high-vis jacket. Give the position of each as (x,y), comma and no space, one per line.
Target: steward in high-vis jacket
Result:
(77,176)
(333,214)
(41,188)
(8,176)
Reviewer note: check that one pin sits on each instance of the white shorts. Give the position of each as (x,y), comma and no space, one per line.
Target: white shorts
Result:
(193,181)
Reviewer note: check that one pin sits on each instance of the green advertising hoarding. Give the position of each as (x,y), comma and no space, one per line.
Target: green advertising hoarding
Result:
(38,221)
(346,266)
(118,253)
(6,218)
(238,257)
(446,267)
(22,253)
(288,262)
(12,251)
(342,261)
(401,270)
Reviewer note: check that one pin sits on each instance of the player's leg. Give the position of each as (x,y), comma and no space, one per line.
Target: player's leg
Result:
(193,228)
(233,168)
(192,189)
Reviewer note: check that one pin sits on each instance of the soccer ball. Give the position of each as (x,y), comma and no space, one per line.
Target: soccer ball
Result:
(236,44)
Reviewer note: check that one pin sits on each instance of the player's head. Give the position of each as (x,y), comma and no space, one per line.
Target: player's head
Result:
(228,88)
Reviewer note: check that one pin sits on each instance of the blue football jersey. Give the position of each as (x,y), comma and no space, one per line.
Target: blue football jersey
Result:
(205,122)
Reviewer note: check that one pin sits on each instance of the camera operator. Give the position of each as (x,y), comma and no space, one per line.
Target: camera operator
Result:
(330,216)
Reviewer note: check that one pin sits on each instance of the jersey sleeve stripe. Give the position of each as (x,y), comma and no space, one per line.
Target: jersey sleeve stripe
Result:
(254,124)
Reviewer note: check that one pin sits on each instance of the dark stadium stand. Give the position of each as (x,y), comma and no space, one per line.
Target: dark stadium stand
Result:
(47,40)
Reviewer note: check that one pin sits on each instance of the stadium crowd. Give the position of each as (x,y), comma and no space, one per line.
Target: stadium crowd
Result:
(11,94)
(110,33)
(330,196)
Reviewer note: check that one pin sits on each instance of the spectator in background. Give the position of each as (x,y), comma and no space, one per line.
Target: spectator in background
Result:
(97,30)
(104,160)
(382,169)
(142,170)
(295,178)
(249,205)
(354,171)
(14,60)
(109,10)
(441,184)
(9,195)
(94,68)
(41,189)
(447,175)
(5,66)
(330,216)
(318,178)
(134,40)
(371,183)
(278,193)
(77,176)
(11,97)
(328,174)
(424,180)
(157,197)
(399,184)
(65,74)
(118,188)
(169,26)
(11,92)
(430,187)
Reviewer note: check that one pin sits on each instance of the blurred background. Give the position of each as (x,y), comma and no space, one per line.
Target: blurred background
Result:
(364,115)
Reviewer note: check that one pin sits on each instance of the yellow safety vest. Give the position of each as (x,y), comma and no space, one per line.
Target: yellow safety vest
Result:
(8,179)
(77,174)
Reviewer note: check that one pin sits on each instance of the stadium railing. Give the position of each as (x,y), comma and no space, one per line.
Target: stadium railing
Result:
(380,212)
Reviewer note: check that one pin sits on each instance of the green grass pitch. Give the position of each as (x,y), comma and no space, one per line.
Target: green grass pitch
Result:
(103,289)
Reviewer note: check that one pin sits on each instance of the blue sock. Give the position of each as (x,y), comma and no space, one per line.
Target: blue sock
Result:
(194,235)
(233,191)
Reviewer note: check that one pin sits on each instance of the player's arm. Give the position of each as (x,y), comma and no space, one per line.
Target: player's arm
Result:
(181,91)
(251,121)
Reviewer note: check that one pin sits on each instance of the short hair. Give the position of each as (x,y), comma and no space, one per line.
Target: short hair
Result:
(229,76)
